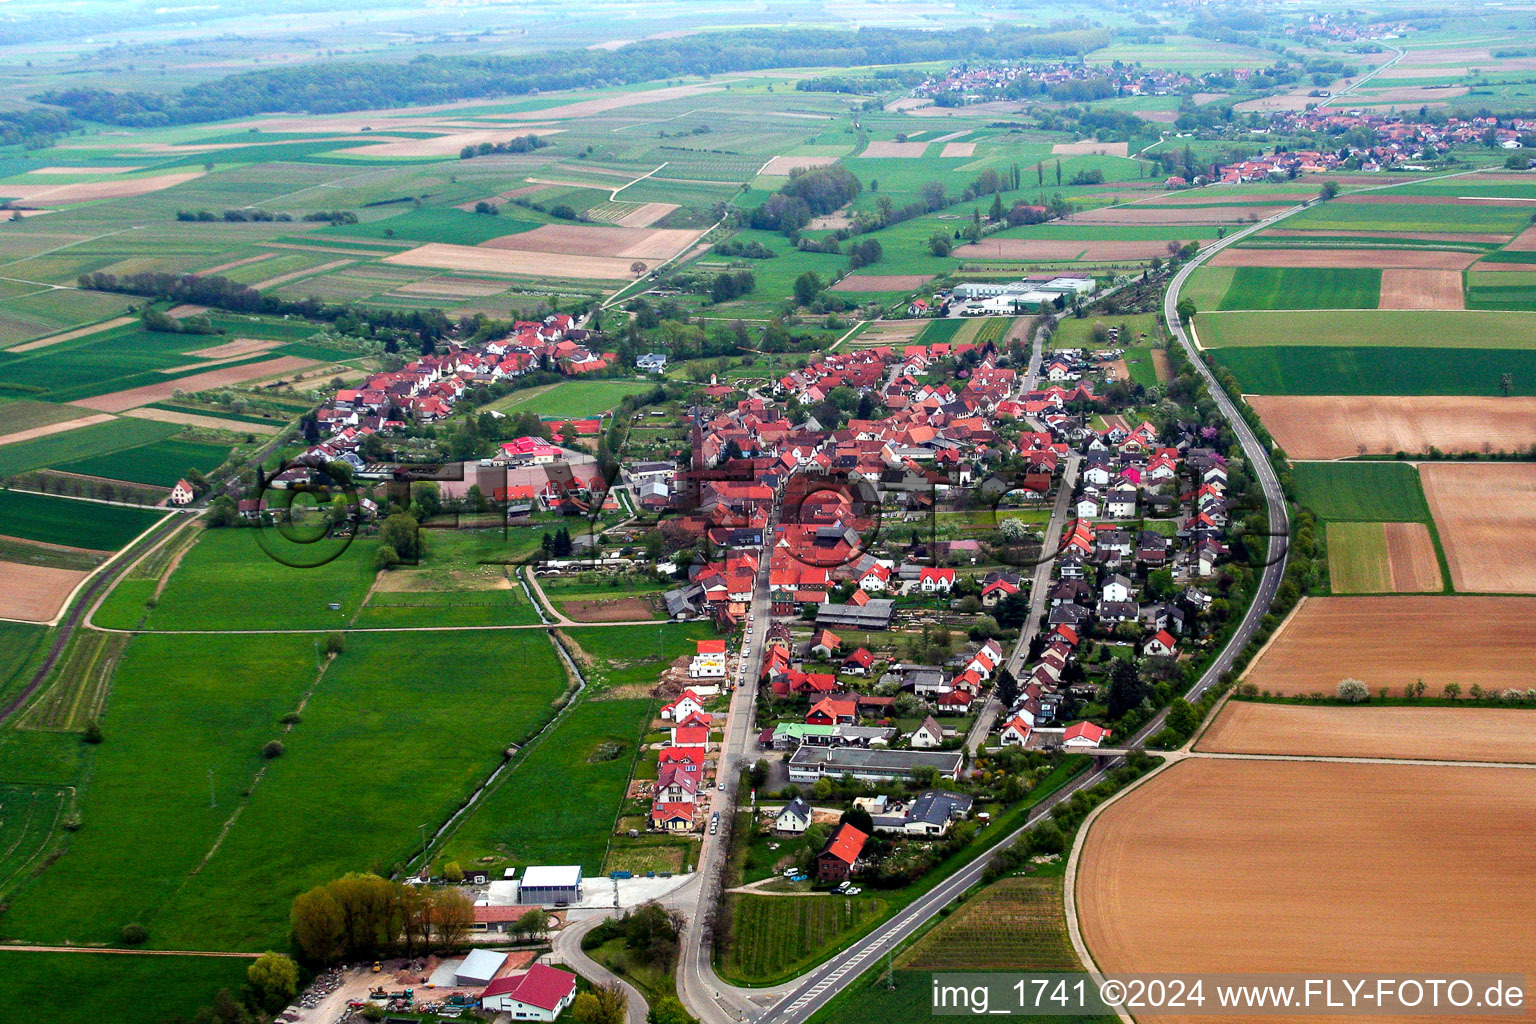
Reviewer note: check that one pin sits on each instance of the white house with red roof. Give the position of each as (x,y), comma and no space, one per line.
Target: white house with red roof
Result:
(679,710)
(932,580)
(709,661)
(1161,645)
(1084,735)
(540,993)
(1015,733)
(182,493)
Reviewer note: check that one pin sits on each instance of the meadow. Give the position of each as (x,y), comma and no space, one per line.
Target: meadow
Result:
(72,988)
(1370,492)
(98,439)
(1319,370)
(159,464)
(881,996)
(66,521)
(558,802)
(1349,328)
(227,581)
(22,414)
(1410,216)
(635,655)
(577,399)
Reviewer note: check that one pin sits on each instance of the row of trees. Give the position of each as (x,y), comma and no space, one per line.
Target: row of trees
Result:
(807,195)
(365,917)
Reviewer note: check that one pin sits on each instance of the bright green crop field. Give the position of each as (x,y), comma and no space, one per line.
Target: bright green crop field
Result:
(1317,370)
(72,523)
(1409,328)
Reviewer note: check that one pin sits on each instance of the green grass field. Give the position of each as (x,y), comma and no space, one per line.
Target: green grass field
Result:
(1357,559)
(627,655)
(1348,328)
(84,442)
(1410,216)
(558,803)
(66,521)
(19,642)
(1301,288)
(23,414)
(74,988)
(159,464)
(576,399)
(776,937)
(229,582)
(1501,291)
(1316,370)
(1361,492)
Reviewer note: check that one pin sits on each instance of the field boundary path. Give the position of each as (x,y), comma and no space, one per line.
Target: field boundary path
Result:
(6,947)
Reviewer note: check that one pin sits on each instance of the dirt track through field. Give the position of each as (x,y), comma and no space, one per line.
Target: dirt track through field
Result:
(1411,259)
(81,332)
(1486,515)
(1232,865)
(1394,641)
(132,398)
(1421,289)
(232,264)
(1428,733)
(35,593)
(52,428)
(273,282)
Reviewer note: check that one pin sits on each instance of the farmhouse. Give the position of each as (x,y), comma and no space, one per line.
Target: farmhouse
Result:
(540,994)
(182,493)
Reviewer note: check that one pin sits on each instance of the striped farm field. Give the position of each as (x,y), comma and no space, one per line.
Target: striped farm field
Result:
(1382,558)
(83,442)
(775,937)
(1410,328)
(1015,924)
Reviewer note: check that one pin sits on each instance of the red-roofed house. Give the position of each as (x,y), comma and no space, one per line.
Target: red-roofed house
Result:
(690,736)
(181,494)
(1162,645)
(539,994)
(672,817)
(859,662)
(931,580)
(1015,733)
(680,709)
(835,863)
(1084,734)
(832,711)
(824,643)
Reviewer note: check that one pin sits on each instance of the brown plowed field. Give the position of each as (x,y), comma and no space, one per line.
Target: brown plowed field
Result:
(622,609)
(84,192)
(645,215)
(1411,259)
(1313,427)
(35,593)
(1501,268)
(121,401)
(1423,733)
(1160,364)
(1411,560)
(483,260)
(881,282)
(782,165)
(1486,515)
(585,240)
(958,149)
(1421,289)
(901,150)
(1090,149)
(1525,241)
(1231,865)
(1394,641)
(238,347)
(1053,250)
(1147,214)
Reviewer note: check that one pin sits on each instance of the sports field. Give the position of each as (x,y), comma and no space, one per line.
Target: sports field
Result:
(1394,641)
(1231,865)
(1348,328)
(1459,734)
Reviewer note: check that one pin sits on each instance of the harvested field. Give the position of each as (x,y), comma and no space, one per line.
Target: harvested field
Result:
(646,215)
(1421,289)
(782,165)
(1231,865)
(1420,236)
(52,428)
(1382,558)
(1486,516)
(1146,214)
(1412,94)
(85,192)
(452,287)
(1330,638)
(193,419)
(237,347)
(121,401)
(1407,259)
(232,264)
(621,609)
(1042,250)
(484,260)
(443,145)
(958,149)
(1525,241)
(84,170)
(1457,734)
(1346,426)
(79,332)
(882,282)
(273,282)
(1091,149)
(586,240)
(1484,267)
(903,150)
(1160,364)
(35,593)
(889,332)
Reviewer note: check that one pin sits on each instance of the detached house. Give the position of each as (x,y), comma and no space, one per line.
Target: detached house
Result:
(835,862)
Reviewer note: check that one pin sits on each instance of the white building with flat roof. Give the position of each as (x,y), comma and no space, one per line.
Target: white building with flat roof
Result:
(550,884)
